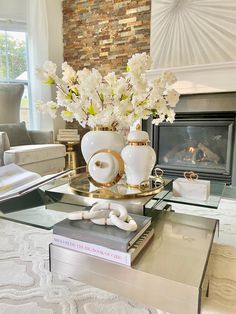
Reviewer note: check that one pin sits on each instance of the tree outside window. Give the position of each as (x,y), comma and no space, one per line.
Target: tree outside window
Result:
(13,65)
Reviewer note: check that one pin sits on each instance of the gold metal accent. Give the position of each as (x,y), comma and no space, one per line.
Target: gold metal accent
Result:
(80,184)
(99,164)
(120,173)
(157,178)
(133,143)
(138,127)
(142,186)
(71,154)
(158,172)
(102,128)
(190,175)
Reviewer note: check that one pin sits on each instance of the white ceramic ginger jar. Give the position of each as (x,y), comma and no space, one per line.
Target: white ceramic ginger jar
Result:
(101,138)
(139,158)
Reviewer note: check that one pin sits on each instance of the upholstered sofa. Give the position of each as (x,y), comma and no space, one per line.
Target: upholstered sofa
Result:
(33,150)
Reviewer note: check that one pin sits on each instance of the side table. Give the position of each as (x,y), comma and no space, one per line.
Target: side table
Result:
(71,154)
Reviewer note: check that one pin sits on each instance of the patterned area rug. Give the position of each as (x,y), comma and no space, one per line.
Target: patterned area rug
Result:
(26,285)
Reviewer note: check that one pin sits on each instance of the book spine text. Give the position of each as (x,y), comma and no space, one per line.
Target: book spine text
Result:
(92,249)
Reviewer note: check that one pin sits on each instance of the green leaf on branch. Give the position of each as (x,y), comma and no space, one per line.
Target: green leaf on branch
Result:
(127,68)
(49,81)
(102,97)
(75,90)
(69,95)
(124,97)
(91,110)
(143,103)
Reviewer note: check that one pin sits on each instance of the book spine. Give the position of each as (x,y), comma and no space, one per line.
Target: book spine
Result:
(68,137)
(98,238)
(68,134)
(141,243)
(68,131)
(92,249)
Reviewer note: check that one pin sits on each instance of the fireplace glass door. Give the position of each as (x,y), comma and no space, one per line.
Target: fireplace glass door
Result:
(202,145)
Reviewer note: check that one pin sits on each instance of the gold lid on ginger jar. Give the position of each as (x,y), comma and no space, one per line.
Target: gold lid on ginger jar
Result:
(138,137)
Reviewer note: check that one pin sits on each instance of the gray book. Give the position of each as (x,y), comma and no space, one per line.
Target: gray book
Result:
(107,236)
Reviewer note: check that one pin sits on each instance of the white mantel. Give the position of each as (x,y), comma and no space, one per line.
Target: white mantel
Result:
(207,78)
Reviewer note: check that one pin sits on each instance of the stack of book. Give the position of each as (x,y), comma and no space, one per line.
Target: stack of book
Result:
(68,135)
(106,242)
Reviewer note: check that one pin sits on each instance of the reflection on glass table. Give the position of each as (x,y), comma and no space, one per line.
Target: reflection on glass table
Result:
(82,184)
(39,216)
(49,204)
(216,192)
(36,211)
(34,208)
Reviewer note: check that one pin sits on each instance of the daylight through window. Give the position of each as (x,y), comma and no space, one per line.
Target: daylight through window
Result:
(14,65)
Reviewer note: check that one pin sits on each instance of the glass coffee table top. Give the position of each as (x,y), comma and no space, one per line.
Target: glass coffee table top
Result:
(49,204)
(42,209)
(35,208)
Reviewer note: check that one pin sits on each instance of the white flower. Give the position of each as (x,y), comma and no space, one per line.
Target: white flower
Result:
(111,79)
(110,100)
(49,107)
(47,73)
(170,116)
(172,97)
(50,67)
(52,108)
(139,63)
(69,74)
(169,77)
(67,115)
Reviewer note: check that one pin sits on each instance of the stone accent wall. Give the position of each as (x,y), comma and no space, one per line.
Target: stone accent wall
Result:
(104,34)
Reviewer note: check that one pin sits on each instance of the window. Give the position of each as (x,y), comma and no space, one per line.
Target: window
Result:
(14,65)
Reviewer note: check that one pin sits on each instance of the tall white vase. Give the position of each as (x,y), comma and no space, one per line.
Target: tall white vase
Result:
(101,138)
(139,158)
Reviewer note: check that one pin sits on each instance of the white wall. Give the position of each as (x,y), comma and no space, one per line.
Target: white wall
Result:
(13,9)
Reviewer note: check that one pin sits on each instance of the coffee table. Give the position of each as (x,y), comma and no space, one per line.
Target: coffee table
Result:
(170,274)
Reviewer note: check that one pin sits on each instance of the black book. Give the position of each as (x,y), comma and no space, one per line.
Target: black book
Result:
(107,236)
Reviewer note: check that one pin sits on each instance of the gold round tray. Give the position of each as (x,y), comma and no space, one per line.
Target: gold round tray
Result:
(80,184)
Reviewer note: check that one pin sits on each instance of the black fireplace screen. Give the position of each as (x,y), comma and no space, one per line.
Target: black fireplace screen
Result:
(194,147)
(203,145)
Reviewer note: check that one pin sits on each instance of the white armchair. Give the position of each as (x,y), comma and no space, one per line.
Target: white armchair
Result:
(32,150)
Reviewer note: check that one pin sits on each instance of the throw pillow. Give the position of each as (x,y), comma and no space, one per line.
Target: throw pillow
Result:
(17,133)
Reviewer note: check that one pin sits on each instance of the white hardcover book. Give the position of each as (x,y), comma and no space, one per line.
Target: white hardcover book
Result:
(68,137)
(67,131)
(16,181)
(124,258)
(68,134)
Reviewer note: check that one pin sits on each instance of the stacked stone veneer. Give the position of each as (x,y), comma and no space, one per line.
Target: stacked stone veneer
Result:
(104,34)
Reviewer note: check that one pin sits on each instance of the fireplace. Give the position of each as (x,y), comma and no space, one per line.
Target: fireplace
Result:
(203,142)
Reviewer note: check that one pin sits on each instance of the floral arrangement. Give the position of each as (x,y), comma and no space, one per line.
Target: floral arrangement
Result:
(92,99)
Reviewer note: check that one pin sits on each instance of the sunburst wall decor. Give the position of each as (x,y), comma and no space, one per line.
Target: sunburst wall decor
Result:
(192,32)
